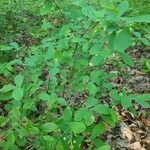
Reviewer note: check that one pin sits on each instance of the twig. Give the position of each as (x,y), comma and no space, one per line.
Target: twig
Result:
(57,7)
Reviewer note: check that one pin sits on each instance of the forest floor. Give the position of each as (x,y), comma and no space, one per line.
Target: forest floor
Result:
(132,132)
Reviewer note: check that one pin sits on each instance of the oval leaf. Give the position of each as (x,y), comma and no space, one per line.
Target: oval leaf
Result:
(77,127)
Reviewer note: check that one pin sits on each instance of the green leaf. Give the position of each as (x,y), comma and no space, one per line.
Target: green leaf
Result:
(78,141)
(78,3)
(114,116)
(48,138)
(53,71)
(67,115)
(142,99)
(109,119)
(113,17)
(77,40)
(19,80)
(62,102)
(21,142)
(52,99)
(7,88)
(92,88)
(47,141)
(105,147)
(46,9)
(84,114)
(97,130)
(46,25)
(15,45)
(95,49)
(44,96)
(115,96)
(126,102)
(85,47)
(48,127)
(143,18)
(59,146)
(5,48)
(28,104)
(112,27)
(96,60)
(147,65)
(123,7)
(111,43)
(137,34)
(145,41)
(78,116)
(101,109)
(94,76)
(123,40)
(97,143)
(11,138)
(34,130)
(127,59)
(88,117)
(106,53)
(77,127)
(91,102)
(17,94)
(15,114)
(65,30)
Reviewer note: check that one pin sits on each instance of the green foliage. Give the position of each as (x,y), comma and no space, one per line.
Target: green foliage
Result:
(146,64)
(16,20)
(53,97)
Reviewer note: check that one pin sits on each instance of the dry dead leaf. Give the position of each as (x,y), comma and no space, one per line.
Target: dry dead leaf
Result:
(147,139)
(136,146)
(126,132)
(144,120)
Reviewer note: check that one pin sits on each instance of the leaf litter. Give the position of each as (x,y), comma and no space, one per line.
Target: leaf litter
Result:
(133,130)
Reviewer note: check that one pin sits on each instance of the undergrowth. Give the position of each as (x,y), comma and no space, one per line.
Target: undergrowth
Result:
(55,93)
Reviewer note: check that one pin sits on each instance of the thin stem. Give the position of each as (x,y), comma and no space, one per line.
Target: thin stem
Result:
(57,7)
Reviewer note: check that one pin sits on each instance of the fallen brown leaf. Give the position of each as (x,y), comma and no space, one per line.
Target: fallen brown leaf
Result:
(144,120)
(136,146)
(126,132)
